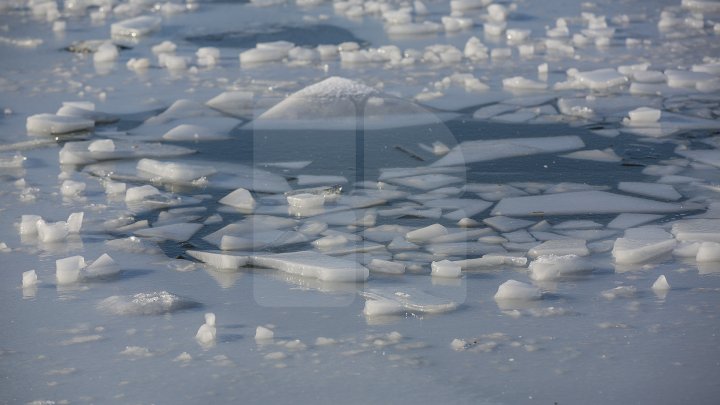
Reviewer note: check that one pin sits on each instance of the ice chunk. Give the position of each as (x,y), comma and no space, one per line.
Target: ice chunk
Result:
(517,291)
(179,232)
(52,232)
(47,124)
(645,115)
(385,266)
(427,233)
(306,200)
(28,224)
(240,198)
(67,270)
(311,180)
(601,79)
(140,193)
(261,55)
(135,27)
(71,188)
(103,266)
(697,230)
(661,284)
(263,334)
(392,301)
(207,332)
(486,150)
(560,247)
(106,52)
(314,265)
(659,191)
(220,260)
(173,172)
(642,244)
(624,221)
(554,267)
(708,252)
(445,268)
(581,202)
(153,303)
(29,279)
(79,153)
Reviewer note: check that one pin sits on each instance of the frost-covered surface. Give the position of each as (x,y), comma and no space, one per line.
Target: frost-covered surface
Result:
(359,201)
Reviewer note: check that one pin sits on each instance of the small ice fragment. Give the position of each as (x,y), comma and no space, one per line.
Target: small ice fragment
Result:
(382,307)
(386,266)
(102,145)
(207,331)
(114,187)
(708,252)
(71,188)
(625,221)
(47,124)
(314,265)
(445,268)
(140,193)
(306,200)
(458,345)
(601,79)
(661,284)
(52,232)
(135,27)
(29,278)
(138,64)
(560,247)
(104,266)
(390,300)
(518,291)
(521,83)
(645,115)
(208,56)
(240,198)
(324,341)
(426,233)
(28,224)
(468,223)
(259,55)
(554,267)
(179,232)
(154,303)
(330,241)
(183,357)
(67,270)
(642,244)
(172,171)
(164,47)
(263,333)
(620,292)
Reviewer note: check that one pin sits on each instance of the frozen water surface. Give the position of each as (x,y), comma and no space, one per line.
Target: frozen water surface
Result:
(360,202)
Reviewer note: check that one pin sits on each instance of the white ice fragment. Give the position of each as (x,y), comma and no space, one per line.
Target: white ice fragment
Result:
(71,188)
(314,265)
(313,180)
(190,132)
(521,83)
(263,334)
(114,187)
(179,232)
(107,52)
(445,268)
(645,115)
(507,224)
(208,56)
(140,193)
(225,261)
(164,47)
(306,200)
(47,124)
(103,266)
(606,155)
(207,332)
(330,241)
(661,284)
(554,267)
(135,27)
(475,49)
(28,224)
(67,270)
(138,64)
(465,5)
(172,171)
(517,291)
(654,190)
(393,301)
(52,232)
(172,62)
(708,252)
(29,279)
(386,266)
(581,202)
(239,198)
(642,244)
(426,233)
(601,79)
(261,55)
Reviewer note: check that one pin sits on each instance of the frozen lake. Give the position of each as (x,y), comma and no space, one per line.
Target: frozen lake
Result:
(318,201)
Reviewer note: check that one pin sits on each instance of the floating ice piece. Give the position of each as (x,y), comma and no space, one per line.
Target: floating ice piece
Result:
(582,202)
(140,193)
(707,230)
(240,198)
(659,191)
(106,52)
(235,103)
(385,266)
(624,221)
(85,152)
(220,260)
(517,291)
(29,279)
(52,232)
(207,332)
(661,284)
(645,115)
(481,151)
(708,252)
(173,172)
(71,188)
(554,267)
(135,27)
(47,124)
(445,268)
(314,265)
(620,292)
(179,232)
(521,83)
(335,103)
(263,334)
(642,244)
(560,247)
(67,270)
(393,301)
(606,155)
(427,233)
(103,266)
(153,303)
(601,79)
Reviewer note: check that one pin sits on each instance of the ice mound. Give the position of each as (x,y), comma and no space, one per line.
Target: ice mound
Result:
(513,290)
(338,103)
(51,124)
(85,152)
(153,303)
(135,27)
(582,202)
(240,198)
(172,172)
(394,301)
(263,334)
(486,150)
(235,103)
(314,265)
(642,244)
(207,332)
(554,267)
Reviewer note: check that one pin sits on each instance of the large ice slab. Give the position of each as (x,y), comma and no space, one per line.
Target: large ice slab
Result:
(397,300)
(314,265)
(583,202)
(51,124)
(338,103)
(486,150)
